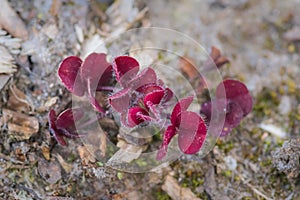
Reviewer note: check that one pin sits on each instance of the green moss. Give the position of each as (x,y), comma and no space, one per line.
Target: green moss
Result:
(203,196)
(160,55)
(294,119)
(100,164)
(297,94)
(161,195)
(266,163)
(120,175)
(279,182)
(266,101)
(226,146)
(255,131)
(227,173)
(141,162)
(291,48)
(71,158)
(247,198)
(192,180)
(269,43)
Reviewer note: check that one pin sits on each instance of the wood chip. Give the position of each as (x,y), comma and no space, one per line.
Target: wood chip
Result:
(20,125)
(87,154)
(11,22)
(55,7)
(173,189)
(67,167)
(46,152)
(126,154)
(103,144)
(17,100)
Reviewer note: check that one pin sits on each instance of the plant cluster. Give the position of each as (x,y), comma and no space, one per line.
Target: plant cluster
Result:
(140,98)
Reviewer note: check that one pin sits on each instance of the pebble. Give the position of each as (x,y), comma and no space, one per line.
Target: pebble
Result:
(284,107)
(230,162)
(277,131)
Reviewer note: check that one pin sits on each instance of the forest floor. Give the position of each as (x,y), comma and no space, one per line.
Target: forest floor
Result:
(260,159)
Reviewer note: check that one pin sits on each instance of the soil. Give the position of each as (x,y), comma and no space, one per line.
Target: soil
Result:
(258,160)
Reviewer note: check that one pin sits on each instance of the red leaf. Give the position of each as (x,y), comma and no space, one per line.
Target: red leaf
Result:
(53,129)
(95,69)
(125,67)
(52,121)
(145,89)
(59,138)
(68,72)
(182,105)
(120,100)
(147,76)
(233,113)
(236,91)
(106,78)
(168,95)
(70,133)
(153,98)
(92,98)
(168,135)
(137,115)
(68,117)
(191,132)
(218,105)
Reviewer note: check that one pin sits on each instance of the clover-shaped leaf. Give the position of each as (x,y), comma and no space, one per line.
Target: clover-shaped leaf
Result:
(189,126)
(236,102)
(87,76)
(136,116)
(68,72)
(191,132)
(125,68)
(237,92)
(63,125)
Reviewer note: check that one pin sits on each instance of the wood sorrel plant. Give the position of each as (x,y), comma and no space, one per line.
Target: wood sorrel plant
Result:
(141,98)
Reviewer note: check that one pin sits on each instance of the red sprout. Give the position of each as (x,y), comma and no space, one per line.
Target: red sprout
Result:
(189,126)
(63,125)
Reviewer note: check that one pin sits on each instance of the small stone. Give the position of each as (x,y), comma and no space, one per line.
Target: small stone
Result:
(230,162)
(286,158)
(273,130)
(50,171)
(79,33)
(284,107)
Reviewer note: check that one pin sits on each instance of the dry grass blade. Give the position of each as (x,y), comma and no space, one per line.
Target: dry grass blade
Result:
(11,43)
(7,63)
(255,190)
